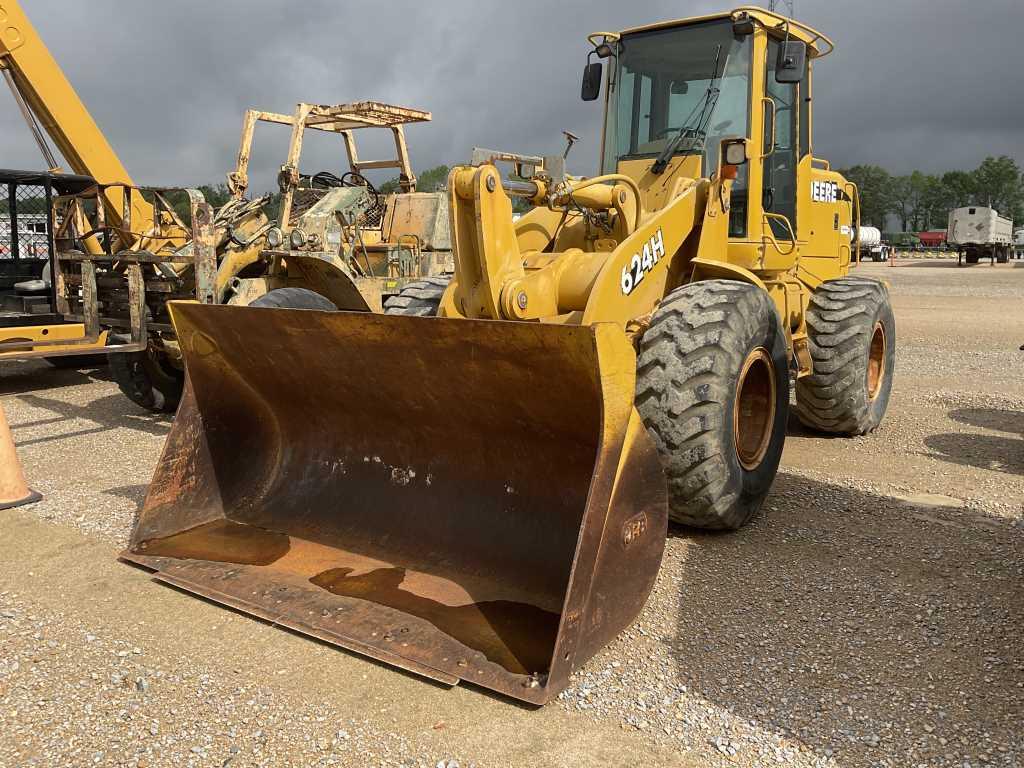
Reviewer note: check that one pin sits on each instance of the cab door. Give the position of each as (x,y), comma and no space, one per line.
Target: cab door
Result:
(778,193)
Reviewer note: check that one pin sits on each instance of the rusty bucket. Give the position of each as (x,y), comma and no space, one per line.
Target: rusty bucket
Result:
(471,500)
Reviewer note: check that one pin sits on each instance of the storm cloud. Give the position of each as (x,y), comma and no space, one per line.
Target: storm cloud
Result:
(925,84)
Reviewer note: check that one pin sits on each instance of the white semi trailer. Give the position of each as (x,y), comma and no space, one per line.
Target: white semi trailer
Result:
(871,246)
(978,232)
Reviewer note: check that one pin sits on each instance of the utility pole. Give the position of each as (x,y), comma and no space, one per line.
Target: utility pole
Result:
(785,6)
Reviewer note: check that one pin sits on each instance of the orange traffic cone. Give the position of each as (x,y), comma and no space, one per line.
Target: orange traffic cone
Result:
(14,491)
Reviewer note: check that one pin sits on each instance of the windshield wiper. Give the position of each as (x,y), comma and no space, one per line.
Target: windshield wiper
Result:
(696,130)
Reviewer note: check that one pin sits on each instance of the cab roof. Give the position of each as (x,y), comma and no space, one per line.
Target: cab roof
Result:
(818,45)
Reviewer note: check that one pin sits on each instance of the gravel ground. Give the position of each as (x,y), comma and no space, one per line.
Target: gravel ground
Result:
(843,628)
(871,616)
(71,697)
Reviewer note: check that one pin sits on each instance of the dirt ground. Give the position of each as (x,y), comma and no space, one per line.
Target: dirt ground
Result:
(871,615)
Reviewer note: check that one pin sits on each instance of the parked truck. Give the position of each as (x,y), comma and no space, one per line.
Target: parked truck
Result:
(978,233)
(872,248)
(933,238)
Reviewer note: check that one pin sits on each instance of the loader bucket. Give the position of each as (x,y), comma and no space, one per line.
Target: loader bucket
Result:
(464,499)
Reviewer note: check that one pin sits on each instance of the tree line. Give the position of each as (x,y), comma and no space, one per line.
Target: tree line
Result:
(922,201)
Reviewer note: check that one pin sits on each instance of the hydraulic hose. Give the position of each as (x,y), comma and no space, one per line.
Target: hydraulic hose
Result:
(634,188)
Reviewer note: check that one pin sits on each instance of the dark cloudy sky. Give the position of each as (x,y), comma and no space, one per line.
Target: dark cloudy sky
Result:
(929,84)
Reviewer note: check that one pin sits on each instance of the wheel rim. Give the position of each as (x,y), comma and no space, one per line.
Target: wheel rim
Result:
(754,410)
(876,361)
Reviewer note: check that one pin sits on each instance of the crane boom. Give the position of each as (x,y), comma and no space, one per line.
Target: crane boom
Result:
(44,89)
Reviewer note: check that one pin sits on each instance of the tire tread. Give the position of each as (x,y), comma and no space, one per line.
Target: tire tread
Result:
(840,317)
(419,299)
(688,356)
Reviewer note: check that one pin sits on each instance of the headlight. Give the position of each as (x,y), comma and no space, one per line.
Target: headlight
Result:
(275,237)
(297,238)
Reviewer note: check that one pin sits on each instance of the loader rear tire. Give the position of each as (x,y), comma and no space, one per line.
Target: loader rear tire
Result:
(147,378)
(421,299)
(712,387)
(294,298)
(852,335)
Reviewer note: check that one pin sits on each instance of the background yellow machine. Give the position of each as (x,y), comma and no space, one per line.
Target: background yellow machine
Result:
(484,495)
(123,251)
(52,109)
(335,241)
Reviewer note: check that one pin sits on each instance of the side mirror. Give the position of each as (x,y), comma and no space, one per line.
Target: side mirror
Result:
(790,64)
(591,81)
(734,151)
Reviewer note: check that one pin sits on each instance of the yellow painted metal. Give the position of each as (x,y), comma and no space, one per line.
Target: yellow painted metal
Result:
(818,44)
(705,268)
(357,272)
(482,229)
(39,339)
(492,281)
(658,189)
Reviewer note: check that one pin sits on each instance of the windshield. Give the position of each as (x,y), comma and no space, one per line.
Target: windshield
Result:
(693,80)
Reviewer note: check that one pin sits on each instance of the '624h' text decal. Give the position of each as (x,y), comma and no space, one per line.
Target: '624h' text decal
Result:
(642,263)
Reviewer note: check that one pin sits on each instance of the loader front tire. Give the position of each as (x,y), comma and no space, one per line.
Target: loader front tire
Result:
(712,387)
(421,299)
(294,298)
(852,337)
(148,378)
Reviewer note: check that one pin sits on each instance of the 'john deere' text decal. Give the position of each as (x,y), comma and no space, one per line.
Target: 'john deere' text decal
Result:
(824,191)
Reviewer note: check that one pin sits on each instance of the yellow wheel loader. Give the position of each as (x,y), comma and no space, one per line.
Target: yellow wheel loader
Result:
(337,236)
(483,495)
(333,242)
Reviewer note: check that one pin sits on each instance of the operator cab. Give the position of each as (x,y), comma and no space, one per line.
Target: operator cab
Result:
(675,90)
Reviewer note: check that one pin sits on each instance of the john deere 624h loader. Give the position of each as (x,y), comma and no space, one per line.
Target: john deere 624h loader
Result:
(483,494)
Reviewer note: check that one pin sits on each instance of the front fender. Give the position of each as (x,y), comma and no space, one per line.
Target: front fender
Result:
(712,269)
(634,277)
